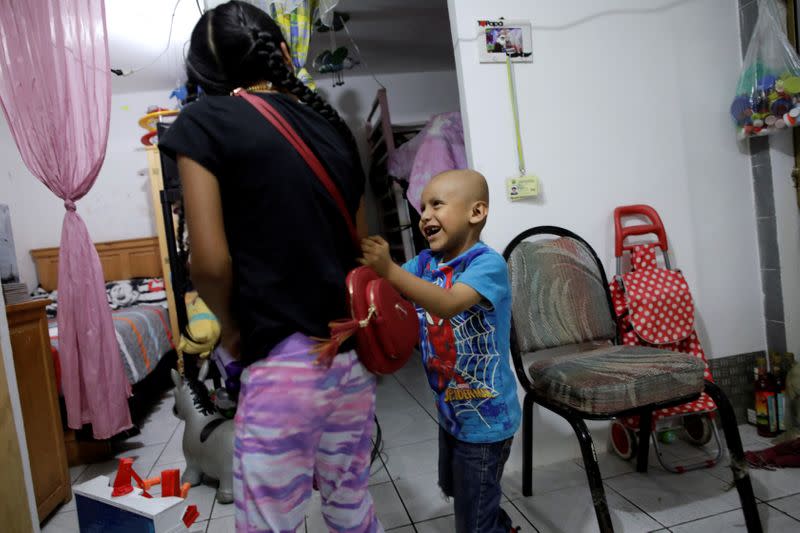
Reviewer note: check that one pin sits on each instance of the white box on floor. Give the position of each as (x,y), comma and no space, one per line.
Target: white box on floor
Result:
(99,511)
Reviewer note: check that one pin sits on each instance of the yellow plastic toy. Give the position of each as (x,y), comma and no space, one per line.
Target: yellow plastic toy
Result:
(150,120)
(203,328)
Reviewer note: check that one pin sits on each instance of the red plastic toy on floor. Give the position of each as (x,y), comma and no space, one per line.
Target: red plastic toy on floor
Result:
(654,307)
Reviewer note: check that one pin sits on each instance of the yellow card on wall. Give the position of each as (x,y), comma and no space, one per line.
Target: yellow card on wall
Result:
(522,187)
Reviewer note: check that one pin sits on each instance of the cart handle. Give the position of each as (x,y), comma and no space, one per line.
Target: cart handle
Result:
(622,233)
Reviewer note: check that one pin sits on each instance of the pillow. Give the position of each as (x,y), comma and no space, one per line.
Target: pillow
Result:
(151,290)
(129,292)
(52,307)
(120,294)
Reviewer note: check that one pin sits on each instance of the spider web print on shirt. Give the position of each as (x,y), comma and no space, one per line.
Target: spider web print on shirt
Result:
(477,362)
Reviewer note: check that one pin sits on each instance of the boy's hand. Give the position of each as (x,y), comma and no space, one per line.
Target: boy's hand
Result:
(376,255)
(444,303)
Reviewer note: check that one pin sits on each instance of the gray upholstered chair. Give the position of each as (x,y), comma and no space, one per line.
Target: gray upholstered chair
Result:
(563,344)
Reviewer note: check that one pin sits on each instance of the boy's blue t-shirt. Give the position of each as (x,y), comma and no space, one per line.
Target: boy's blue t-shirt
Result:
(467,357)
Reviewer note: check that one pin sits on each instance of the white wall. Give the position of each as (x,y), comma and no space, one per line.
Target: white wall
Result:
(624,103)
(788,222)
(117,207)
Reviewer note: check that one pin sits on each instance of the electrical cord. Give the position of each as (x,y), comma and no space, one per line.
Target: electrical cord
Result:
(120,72)
(589,18)
(377,448)
(360,56)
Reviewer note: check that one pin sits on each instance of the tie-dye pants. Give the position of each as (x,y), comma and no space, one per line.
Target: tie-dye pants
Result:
(297,422)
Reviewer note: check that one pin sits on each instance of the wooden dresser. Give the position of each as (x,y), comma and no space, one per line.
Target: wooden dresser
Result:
(33,363)
(14,506)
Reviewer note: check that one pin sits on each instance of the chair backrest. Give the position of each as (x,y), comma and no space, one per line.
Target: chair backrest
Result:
(559,291)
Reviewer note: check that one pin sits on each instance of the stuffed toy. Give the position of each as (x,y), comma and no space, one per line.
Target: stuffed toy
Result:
(122,294)
(203,328)
(207,436)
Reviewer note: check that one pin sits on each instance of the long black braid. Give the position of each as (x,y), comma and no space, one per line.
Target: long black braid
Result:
(290,83)
(238,45)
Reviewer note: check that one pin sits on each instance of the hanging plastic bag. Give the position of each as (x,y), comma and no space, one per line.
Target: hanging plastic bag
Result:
(768,95)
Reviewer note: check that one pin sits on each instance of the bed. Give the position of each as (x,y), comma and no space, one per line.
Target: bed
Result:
(403,158)
(136,294)
(143,330)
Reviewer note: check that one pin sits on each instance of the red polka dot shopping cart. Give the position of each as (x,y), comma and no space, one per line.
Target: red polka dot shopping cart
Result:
(654,307)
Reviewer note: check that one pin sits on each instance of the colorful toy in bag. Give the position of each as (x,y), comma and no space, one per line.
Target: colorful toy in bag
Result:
(768,95)
(653,307)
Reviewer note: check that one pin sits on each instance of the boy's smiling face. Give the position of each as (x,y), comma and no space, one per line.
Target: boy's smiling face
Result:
(451,214)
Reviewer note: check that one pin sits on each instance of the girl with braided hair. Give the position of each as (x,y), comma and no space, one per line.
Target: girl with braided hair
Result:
(270,252)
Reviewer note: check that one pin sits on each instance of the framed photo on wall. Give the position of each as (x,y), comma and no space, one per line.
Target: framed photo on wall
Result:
(500,38)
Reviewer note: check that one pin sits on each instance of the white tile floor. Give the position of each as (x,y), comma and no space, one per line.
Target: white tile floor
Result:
(403,481)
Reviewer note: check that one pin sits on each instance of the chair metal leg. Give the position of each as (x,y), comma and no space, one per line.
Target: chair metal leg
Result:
(643,452)
(741,475)
(527,445)
(593,474)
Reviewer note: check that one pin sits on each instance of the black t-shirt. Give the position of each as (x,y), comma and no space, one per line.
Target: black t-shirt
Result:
(290,246)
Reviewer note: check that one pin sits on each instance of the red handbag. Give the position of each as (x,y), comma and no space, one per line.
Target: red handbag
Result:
(384,323)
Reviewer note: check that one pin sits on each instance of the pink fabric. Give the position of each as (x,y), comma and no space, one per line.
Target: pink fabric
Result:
(55,91)
(437,148)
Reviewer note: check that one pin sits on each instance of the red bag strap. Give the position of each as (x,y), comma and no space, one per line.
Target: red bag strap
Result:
(285,129)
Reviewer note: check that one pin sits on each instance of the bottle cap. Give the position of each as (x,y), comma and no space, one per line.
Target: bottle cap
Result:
(739,107)
(780,106)
(767,82)
(792,84)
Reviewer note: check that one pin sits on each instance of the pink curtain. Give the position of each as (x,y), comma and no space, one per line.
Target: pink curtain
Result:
(55,91)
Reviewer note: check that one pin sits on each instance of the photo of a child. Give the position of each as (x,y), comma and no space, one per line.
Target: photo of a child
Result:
(503,39)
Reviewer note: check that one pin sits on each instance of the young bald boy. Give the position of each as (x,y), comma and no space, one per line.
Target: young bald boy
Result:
(461,290)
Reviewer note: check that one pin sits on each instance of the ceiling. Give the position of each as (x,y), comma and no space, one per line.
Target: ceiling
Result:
(392,35)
